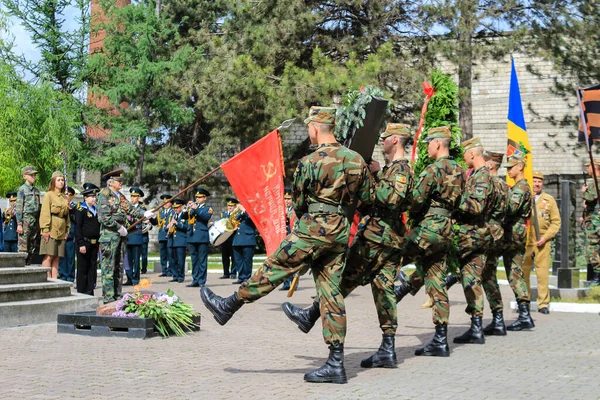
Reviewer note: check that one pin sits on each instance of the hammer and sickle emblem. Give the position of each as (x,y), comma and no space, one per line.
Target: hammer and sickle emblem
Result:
(269,170)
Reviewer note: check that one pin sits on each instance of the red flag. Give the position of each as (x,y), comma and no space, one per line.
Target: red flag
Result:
(256,177)
(429,92)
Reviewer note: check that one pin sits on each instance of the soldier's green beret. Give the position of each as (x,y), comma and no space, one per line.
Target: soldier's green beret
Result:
(396,129)
(442,132)
(28,170)
(57,174)
(493,156)
(515,159)
(471,144)
(321,115)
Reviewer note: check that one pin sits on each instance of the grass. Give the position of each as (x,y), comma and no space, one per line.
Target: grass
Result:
(593,298)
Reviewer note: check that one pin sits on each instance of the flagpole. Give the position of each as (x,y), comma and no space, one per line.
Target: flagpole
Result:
(587,141)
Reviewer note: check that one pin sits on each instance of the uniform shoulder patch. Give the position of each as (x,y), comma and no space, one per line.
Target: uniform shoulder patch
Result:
(210,210)
(401,179)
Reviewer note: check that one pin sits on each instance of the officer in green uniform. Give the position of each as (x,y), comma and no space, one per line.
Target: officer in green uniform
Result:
(591,224)
(374,256)
(474,236)
(113,209)
(327,183)
(489,281)
(518,211)
(436,195)
(28,214)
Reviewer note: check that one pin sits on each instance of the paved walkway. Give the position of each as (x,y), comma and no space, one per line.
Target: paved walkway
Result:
(260,354)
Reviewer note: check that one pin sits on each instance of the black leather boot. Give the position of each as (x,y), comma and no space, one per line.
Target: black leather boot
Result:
(221,308)
(304,318)
(595,280)
(385,356)
(402,286)
(333,370)
(474,334)
(497,326)
(524,322)
(438,347)
(451,280)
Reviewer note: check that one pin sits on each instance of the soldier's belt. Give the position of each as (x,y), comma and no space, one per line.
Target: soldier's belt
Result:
(439,211)
(92,241)
(328,208)
(385,213)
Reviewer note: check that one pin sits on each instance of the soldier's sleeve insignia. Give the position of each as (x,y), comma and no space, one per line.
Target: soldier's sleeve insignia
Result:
(515,197)
(210,210)
(401,179)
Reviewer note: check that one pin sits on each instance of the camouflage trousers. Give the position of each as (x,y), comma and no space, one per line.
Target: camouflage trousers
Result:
(473,243)
(31,232)
(113,254)
(513,256)
(312,244)
(430,250)
(489,279)
(374,263)
(592,248)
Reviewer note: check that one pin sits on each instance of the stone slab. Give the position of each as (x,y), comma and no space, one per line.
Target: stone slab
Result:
(12,260)
(40,311)
(34,291)
(90,324)
(18,275)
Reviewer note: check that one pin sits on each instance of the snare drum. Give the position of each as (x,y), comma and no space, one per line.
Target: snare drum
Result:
(218,233)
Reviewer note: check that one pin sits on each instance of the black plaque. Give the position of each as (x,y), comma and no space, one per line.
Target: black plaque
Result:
(365,138)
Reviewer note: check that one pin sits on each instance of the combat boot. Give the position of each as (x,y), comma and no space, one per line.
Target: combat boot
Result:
(497,326)
(304,318)
(385,356)
(524,321)
(450,280)
(474,334)
(222,309)
(438,347)
(402,286)
(595,280)
(333,370)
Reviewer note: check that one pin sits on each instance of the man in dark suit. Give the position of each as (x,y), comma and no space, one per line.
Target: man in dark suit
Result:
(244,241)
(199,215)
(179,227)
(135,241)
(87,233)
(9,219)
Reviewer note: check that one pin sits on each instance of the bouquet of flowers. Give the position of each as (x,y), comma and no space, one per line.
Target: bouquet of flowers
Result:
(169,313)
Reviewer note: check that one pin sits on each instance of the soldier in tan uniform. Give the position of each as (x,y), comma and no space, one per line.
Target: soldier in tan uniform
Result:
(538,251)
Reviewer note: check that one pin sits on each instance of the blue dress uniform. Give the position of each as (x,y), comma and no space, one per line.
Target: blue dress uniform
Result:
(244,241)
(87,233)
(66,264)
(161,221)
(178,242)
(1,236)
(226,247)
(146,237)
(135,241)
(9,220)
(198,237)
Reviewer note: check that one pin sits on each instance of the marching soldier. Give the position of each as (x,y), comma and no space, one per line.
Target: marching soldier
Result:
(113,209)
(436,195)
(66,264)
(199,215)
(87,233)
(375,253)
(591,223)
(161,220)
(489,280)
(28,209)
(135,239)
(327,183)
(474,236)
(538,251)
(244,241)
(177,229)
(226,248)
(9,218)
(515,232)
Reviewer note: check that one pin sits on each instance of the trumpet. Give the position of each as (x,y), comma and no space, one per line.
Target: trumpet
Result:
(8,214)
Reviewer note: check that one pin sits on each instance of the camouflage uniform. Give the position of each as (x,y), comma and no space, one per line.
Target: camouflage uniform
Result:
(113,209)
(474,235)
(489,280)
(28,215)
(515,235)
(374,256)
(437,192)
(326,184)
(591,226)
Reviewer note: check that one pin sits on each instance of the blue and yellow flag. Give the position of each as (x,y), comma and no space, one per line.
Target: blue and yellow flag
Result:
(518,141)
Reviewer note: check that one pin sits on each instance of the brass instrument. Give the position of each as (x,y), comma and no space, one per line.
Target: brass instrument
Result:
(8,214)
(146,226)
(173,227)
(232,223)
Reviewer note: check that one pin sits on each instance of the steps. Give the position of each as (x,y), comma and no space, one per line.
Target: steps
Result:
(28,297)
